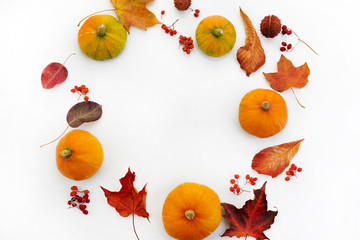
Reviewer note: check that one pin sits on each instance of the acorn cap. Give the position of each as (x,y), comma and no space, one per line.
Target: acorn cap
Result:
(270,26)
(182,4)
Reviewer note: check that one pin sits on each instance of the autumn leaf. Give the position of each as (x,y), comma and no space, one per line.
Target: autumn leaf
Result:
(128,200)
(134,12)
(288,76)
(86,111)
(250,220)
(274,160)
(53,74)
(251,56)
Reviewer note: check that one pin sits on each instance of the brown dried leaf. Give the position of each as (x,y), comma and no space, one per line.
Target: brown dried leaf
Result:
(251,56)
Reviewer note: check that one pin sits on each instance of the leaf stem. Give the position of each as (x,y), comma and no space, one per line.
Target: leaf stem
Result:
(57,137)
(113,9)
(296,98)
(133,223)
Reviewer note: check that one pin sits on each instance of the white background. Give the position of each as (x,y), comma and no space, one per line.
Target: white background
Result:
(172,117)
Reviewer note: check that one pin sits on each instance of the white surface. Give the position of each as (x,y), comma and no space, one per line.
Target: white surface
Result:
(172,118)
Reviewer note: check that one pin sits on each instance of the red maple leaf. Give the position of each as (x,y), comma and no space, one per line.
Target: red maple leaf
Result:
(128,200)
(250,220)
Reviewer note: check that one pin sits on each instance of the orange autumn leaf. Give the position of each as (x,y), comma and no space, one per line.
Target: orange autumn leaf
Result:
(288,76)
(274,160)
(134,13)
(251,56)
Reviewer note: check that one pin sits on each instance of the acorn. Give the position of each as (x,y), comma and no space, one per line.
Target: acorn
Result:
(270,26)
(182,5)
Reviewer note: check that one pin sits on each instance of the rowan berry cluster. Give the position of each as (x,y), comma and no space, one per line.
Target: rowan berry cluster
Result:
(170,29)
(285,30)
(236,189)
(82,91)
(79,199)
(291,172)
(197,11)
(187,43)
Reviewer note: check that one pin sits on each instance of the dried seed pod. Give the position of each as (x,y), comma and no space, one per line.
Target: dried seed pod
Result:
(270,26)
(182,5)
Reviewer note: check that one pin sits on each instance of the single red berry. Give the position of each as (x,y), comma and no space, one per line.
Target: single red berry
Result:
(184,48)
(87,200)
(196,14)
(86,192)
(284,27)
(73,90)
(293,167)
(73,205)
(247,176)
(85,212)
(73,193)
(175,32)
(82,207)
(232,181)
(83,200)
(284,44)
(287,172)
(167,30)
(299,169)
(236,186)
(236,176)
(252,183)
(255,178)
(74,188)
(86,98)
(86,90)
(232,189)
(287,178)
(197,10)
(69,202)
(238,190)
(292,173)
(289,32)
(282,49)
(162,12)
(188,51)
(289,46)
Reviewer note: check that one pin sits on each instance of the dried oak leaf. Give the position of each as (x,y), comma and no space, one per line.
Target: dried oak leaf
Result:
(128,200)
(134,12)
(288,76)
(274,160)
(82,112)
(251,56)
(250,220)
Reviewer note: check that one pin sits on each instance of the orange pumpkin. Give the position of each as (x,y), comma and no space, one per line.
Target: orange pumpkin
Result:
(191,212)
(263,113)
(215,36)
(102,37)
(79,155)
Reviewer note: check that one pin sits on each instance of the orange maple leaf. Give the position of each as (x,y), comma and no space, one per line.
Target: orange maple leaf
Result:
(134,12)
(274,160)
(251,56)
(288,76)
(250,220)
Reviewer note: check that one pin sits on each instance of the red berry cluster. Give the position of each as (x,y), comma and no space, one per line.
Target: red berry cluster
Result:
(79,199)
(236,189)
(82,90)
(285,30)
(292,171)
(285,47)
(170,29)
(197,11)
(187,43)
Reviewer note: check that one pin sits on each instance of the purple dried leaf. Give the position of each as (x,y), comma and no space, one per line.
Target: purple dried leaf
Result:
(82,112)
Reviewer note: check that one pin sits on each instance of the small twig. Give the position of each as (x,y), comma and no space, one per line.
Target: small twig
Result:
(113,9)
(300,40)
(133,223)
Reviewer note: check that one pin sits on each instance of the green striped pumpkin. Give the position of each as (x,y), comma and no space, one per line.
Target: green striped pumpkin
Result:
(215,36)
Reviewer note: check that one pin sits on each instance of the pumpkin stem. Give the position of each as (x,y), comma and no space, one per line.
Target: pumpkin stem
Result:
(265,106)
(100,31)
(66,153)
(217,32)
(189,214)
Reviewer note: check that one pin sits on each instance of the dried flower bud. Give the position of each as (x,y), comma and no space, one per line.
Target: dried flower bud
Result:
(270,26)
